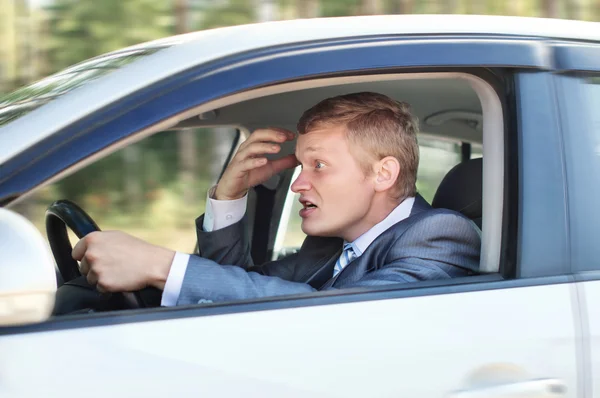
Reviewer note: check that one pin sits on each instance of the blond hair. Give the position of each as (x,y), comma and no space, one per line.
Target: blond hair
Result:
(376,123)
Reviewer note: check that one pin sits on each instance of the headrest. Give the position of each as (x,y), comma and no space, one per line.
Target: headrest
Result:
(461,190)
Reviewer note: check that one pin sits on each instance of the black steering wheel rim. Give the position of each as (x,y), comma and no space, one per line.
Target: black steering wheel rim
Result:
(65,213)
(60,215)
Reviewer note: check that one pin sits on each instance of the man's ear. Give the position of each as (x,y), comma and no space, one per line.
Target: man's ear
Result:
(386,173)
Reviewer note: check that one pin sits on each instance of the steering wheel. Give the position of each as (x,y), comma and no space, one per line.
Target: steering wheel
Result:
(60,215)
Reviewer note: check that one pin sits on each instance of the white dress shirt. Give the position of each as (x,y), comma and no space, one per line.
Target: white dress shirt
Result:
(219,214)
(401,212)
(223,213)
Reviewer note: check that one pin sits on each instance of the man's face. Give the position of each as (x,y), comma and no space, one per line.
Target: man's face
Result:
(334,190)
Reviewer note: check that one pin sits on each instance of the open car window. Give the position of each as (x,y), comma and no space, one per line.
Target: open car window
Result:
(153,189)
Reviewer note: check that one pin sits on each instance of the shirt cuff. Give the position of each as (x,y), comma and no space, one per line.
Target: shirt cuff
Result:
(220,214)
(175,280)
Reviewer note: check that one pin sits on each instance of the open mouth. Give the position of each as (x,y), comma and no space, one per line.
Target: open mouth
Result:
(308,207)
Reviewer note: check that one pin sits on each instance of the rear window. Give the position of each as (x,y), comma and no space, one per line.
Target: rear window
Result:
(26,99)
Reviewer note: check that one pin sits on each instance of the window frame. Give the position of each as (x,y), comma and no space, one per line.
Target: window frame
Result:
(279,66)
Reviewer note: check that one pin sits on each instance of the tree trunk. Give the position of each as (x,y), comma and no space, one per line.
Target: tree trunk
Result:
(512,7)
(221,144)
(132,178)
(403,6)
(181,8)
(479,7)
(550,8)
(266,10)
(450,6)
(372,7)
(186,140)
(307,8)
(574,9)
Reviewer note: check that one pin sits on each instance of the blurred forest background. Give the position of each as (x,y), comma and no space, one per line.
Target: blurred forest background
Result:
(155,188)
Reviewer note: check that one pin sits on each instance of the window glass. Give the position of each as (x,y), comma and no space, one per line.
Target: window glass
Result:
(593,96)
(153,189)
(581,100)
(26,99)
(437,157)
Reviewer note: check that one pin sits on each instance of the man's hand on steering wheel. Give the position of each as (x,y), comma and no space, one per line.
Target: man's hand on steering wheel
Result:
(117,262)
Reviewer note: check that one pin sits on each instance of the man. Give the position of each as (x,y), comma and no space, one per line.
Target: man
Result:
(366,224)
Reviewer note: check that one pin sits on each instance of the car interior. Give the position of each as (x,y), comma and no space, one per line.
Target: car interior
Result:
(450,108)
(455,116)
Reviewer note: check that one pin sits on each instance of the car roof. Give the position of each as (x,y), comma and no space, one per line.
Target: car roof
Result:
(180,53)
(295,31)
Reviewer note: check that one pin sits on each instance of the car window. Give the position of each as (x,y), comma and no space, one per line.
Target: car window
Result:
(582,147)
(153,189)
(437,157)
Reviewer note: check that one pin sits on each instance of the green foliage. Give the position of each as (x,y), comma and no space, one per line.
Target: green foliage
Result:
(226,13)
(81,29)
(340,8)
(102,185)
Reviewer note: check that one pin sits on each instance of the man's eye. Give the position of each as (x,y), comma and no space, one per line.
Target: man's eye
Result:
(319,165)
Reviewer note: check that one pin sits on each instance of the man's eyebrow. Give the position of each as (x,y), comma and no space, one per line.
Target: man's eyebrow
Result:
(314,149)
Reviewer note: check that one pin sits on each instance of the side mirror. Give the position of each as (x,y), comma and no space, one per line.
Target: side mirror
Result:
(27,272)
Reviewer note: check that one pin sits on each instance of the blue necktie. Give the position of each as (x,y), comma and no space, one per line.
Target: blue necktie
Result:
(347,256)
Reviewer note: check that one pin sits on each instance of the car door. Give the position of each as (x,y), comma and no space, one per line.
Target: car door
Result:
(507,334)
(579,96)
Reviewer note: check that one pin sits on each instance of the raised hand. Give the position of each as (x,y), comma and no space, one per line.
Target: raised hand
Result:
(249,167)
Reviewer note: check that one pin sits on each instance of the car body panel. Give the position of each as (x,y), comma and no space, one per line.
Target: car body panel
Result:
(415,346)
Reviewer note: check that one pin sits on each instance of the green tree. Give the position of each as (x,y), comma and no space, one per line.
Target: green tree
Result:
(81,29)
(215,14)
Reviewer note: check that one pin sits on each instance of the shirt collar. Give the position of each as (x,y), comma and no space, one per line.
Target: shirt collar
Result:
(401,212)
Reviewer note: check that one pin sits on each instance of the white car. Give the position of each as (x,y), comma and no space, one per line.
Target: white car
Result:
(526,92)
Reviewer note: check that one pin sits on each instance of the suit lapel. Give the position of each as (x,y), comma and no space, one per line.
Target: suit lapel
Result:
(419,205)
(318,256)
(316,260)
(364,264)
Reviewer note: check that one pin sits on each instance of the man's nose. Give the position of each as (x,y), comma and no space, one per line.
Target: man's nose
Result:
(301,184)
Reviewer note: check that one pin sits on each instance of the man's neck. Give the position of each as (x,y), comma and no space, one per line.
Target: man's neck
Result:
(399,213)
(378,211)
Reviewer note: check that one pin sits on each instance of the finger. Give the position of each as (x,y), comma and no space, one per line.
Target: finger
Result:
(268,135)
(101,289)
(92,278)
(286,162)
(275,166)
(252,163)
(289,134)
(84,267)
(257,148)
(79,250)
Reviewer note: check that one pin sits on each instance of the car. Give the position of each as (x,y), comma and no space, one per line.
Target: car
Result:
(512,103)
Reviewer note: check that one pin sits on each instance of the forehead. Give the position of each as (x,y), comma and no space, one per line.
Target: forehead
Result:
(324,139)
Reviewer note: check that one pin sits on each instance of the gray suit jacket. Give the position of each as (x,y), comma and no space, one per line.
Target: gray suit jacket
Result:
(430,244)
